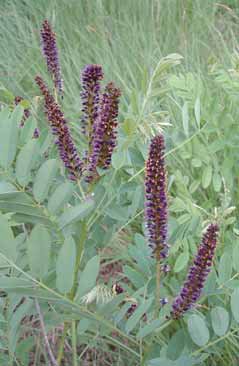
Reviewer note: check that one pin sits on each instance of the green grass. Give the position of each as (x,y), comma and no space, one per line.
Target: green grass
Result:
(129,37)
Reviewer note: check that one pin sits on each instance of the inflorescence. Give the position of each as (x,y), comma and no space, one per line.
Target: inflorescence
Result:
(99,113)
(50,52)
(104,131)
(90,95)
(110,110)
(64,141)
(156,199)
(197,274)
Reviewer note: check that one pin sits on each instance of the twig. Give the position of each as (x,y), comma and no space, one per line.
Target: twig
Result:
(47,344)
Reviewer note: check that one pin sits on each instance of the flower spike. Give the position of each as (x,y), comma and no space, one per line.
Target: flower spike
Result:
(90,78)
(197,274)
(64,141)
(109,129)
(50,52)
(104,131)
(156,198)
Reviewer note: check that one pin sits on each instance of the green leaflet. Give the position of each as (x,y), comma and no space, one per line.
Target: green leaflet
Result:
(9,129)
(198,330)
(7,242)
(61,195)
(65,265)
(39,246)
(26,160)
(44,179)
(88,276)
(220,320)
(76,213)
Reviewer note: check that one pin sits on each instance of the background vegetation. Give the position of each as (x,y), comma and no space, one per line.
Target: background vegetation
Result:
(192,96)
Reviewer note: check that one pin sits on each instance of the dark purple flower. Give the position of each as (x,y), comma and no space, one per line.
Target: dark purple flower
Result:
(64,141)
(104,132)
(163,301)
(26,112)
(50,52)
(132,309)
(197,274)
(117,289)
(165,268)
(90,78)
(36,133)
(156,199)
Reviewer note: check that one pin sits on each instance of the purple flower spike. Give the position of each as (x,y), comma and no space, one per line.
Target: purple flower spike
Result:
(90,78)
(197,274)
(109,113)
(104,131)
(50,52)
(156,199)
(64,142)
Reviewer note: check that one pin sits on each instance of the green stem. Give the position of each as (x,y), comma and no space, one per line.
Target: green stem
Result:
(164,325)
(62,343)
(98,210)
(74,342)
(72,293)
(81,189)
(157,292)
(80,249)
